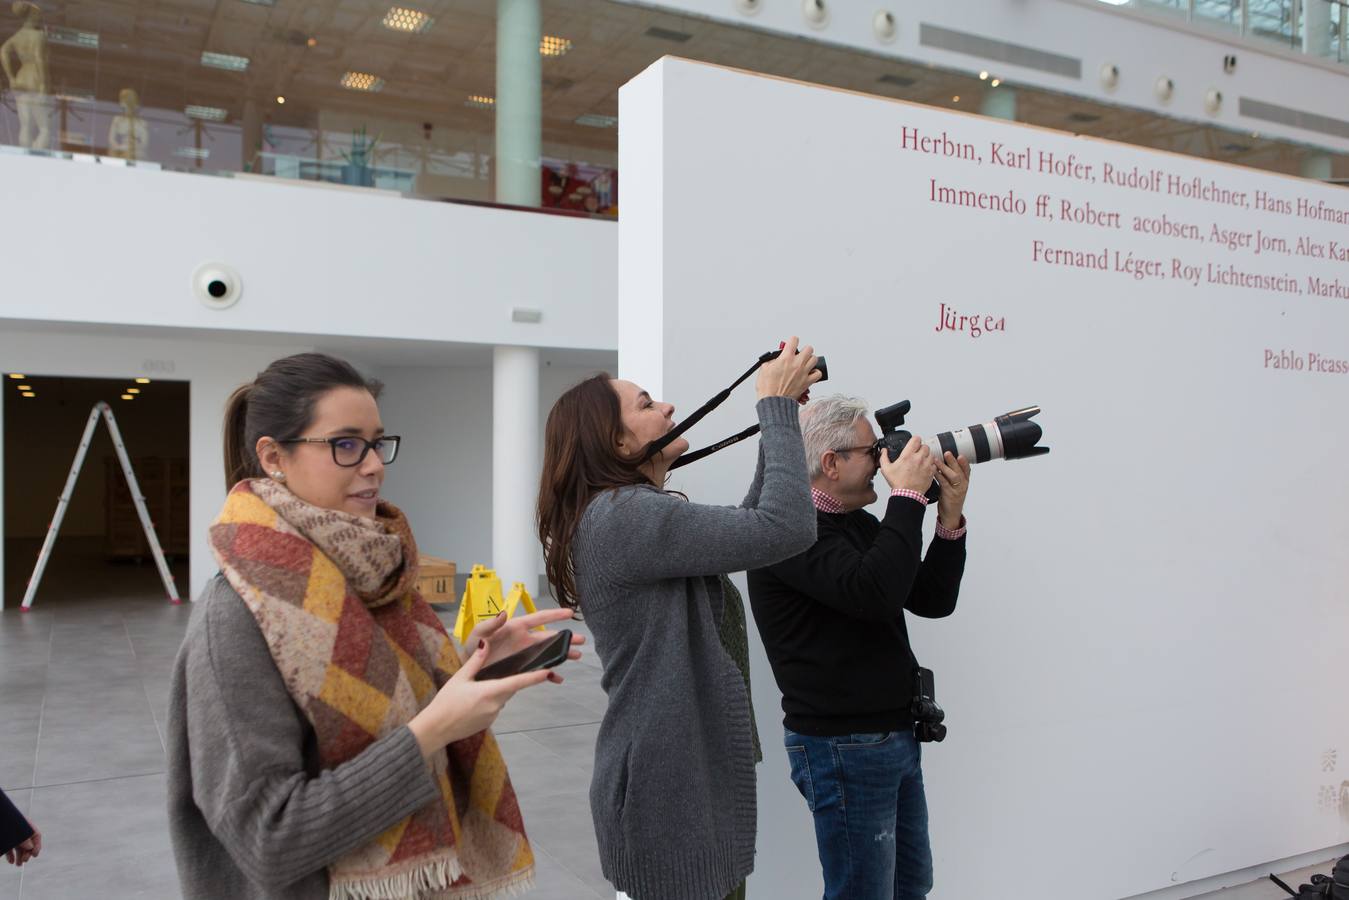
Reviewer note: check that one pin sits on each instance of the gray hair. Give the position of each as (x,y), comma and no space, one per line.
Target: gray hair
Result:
(827,424)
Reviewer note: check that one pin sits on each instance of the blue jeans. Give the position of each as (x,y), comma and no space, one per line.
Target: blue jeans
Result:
(866,793)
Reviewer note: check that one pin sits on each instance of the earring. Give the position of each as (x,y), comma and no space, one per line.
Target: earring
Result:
(279,476)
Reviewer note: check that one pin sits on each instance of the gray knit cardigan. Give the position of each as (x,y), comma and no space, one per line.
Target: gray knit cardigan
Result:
(673,795)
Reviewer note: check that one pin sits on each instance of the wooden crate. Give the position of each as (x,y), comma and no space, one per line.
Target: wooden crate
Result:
(436,580)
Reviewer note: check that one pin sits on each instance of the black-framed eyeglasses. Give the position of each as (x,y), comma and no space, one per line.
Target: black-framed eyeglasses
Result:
(350,451)
(873,450)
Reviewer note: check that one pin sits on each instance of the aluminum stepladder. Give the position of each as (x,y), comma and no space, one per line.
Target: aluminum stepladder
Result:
(100,409)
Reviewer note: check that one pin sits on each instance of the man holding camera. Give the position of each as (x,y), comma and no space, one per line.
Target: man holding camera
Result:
(832,622)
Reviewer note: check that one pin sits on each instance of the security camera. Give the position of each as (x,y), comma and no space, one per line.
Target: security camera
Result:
(1213,100)
(217,285)
(1229,64)
(815,12)
(1109,75)
(1164,87)
(885,26)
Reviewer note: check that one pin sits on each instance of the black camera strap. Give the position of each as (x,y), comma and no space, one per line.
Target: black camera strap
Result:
(660,444)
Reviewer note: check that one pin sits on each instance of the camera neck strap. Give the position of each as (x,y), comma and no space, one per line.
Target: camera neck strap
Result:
(660,444)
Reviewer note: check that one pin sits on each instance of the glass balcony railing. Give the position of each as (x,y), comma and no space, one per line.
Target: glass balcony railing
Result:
(1314,27)
(402,95)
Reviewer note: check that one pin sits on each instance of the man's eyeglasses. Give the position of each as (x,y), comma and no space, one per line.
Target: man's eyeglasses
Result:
(873,450)
(351,451)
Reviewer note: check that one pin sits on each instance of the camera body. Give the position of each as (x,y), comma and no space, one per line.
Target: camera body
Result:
(927,715)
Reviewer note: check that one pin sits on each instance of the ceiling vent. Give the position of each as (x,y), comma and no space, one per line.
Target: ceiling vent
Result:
(990,50)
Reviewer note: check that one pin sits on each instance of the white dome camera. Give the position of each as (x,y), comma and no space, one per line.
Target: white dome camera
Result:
(1213,100)
(217,285)
(885,26)
(1164,87)
(1109,75)
(815,12)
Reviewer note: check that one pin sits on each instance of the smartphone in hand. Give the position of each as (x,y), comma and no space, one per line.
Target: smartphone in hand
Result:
(543,655)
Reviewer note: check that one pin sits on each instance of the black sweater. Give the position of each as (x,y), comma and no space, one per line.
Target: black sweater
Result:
(832,618)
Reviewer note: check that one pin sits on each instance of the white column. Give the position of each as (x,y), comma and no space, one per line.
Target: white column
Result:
(517,455)
(1316,165)
(999,103)
(1316,31)
(519,102)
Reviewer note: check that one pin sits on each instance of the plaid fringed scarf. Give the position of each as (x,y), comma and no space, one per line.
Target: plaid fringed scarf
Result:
(362,653)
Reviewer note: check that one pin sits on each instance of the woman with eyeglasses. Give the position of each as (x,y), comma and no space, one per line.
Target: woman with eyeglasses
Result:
(325,738)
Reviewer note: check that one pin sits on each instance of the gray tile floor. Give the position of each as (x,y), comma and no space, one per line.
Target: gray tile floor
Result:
(83,695)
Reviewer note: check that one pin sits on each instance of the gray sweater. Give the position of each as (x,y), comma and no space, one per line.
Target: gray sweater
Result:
(673,795)
(250,813)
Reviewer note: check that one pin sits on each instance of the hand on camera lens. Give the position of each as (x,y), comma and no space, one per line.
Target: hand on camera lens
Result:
(790,374)
(913,470)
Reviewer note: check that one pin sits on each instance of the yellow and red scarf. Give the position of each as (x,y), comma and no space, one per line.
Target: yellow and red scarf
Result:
(362,653)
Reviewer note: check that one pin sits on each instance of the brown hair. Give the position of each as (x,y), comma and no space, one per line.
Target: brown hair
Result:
(280,403)
(580,459)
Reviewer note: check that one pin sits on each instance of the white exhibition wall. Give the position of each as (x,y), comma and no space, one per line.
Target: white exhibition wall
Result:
(1142,677)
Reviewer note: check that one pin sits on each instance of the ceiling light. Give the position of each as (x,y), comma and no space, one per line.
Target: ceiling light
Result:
(983,76)
(29,394)
(595,121)
(133,390)
(995,82)
(128,397)
(413,21)
(281,100)
(142,381)
(312,42)
(16,376)
(362,81)
(554,46)
(73,37)
(227,61)
(478,101)
(25,387)
(209,113)
(955,99)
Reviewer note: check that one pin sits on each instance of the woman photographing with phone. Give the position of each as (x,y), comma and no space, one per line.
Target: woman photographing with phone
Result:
(673,792)
(325,739)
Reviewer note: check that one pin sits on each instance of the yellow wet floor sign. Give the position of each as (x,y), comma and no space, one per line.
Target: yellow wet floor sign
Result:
(482,601)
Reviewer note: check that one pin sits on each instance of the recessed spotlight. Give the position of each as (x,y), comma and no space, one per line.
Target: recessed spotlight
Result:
(227,61)
(128,397)
(280,99)
(479,101)
(16,376)
(312,42)
(25,387)
(552,46)
(413,21)
(142,381)
(362,81)
(955,99)
(133,390)
(995,82)
(208,113)
(983,76)
(29,394)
